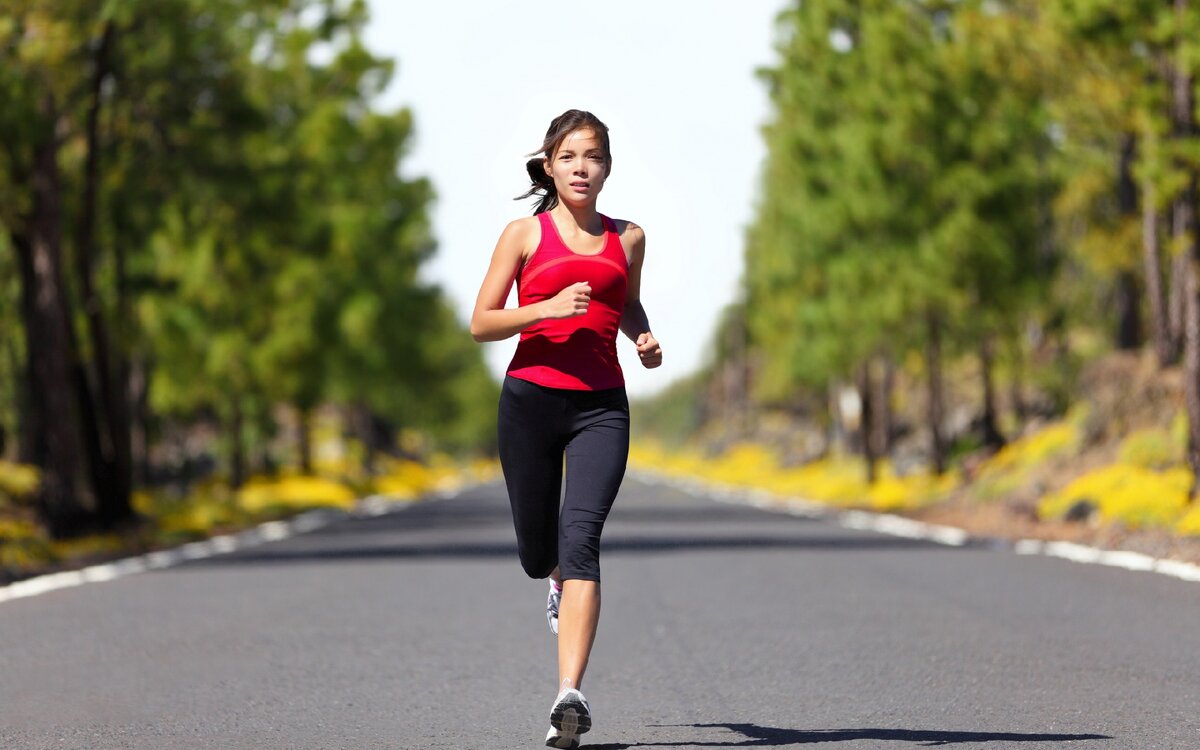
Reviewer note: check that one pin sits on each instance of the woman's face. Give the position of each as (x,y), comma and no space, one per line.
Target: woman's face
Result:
(579,167)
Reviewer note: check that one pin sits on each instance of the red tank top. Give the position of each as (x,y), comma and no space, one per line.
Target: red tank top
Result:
(578,353)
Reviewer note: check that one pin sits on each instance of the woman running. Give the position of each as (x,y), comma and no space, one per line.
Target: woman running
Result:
(578,276)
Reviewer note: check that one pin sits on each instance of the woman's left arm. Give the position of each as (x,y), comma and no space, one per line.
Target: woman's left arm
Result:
(634,322)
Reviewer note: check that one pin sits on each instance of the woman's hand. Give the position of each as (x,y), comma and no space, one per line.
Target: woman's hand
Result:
(569,302)
(648,350)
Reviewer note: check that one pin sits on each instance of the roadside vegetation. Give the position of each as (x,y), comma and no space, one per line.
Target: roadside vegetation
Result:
(175,514)
(970,286)
(210,252)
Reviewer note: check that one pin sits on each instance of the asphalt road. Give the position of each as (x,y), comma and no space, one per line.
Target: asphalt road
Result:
(723,627)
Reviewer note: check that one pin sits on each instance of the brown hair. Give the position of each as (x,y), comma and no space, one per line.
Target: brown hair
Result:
(560,127)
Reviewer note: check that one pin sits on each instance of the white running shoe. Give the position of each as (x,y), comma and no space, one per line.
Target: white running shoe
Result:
(571,714)
(552,607)
(555,738)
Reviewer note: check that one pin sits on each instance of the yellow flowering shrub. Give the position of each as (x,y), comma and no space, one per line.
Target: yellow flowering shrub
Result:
(996,485)
(1132,495)
(293,492)
(142,502)
(1057,439)
(1189,525)
(199,515)
(406,480)
(211,505)
(743,465)
(12,529)
(912,491)
(1150,449)
(836,480)
(651,456)
(93,544)
(1179,430)
(337,467)
(18,480)
(482,470)
(22,544)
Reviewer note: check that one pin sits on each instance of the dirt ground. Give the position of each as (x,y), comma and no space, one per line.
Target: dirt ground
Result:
(999,521)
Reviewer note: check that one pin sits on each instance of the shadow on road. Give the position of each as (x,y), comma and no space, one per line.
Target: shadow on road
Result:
(610,547)
(448,516)
(756,736)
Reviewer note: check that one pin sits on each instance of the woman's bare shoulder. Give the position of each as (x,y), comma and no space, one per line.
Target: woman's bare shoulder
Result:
(522,226)
(631,235)
(629,230)
(522,233)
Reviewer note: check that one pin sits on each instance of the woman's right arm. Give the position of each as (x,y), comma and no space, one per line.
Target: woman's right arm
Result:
(491,321)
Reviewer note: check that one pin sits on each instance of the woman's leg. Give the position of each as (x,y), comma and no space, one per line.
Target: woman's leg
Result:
(531,447)
(578,616)
(596,459)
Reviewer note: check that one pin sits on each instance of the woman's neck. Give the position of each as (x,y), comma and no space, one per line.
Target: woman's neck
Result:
(585,217)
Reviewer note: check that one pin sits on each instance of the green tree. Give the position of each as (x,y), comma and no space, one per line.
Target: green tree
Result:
(900,200)
(206,218)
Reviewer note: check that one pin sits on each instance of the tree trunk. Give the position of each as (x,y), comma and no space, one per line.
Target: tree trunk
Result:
(139,426)
(736,400)
(28,426)
(47,335)
(304,433)
(1129,324)
(237,450)
(1182,207)
(1176,295)
(866,420)
(933,361)
(377,436)
(1192,374)
(1017,386)
(992,437)
(883,408)
(134,377)
(107,412)
(1129,320)
(1184,229)
(365,433)
(1152,269)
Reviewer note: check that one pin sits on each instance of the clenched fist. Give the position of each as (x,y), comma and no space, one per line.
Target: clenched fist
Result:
(569,302)
(649,352)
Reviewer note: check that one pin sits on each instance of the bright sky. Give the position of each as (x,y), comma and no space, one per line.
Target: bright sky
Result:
(674,83)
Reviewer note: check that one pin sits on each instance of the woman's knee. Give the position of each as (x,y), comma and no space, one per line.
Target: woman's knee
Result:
(580,559)
(538,564)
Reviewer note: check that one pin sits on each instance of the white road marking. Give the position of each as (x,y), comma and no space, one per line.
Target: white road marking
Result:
(373,505)
(884,523)
(1029,546)
(99,573)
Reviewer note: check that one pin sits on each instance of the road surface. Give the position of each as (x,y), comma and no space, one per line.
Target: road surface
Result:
(723,626)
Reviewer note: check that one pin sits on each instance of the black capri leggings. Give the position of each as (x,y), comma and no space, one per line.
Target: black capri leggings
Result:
(537,425)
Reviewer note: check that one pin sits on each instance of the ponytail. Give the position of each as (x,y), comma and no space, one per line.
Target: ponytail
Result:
(542,184)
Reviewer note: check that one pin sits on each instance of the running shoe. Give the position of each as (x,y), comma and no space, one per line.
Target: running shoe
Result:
(571,714)
(555,738)
(552,607)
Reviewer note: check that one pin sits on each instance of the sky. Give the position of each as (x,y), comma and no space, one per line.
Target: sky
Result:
(678,92)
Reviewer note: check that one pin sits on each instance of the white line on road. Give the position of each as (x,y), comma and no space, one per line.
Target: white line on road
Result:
(373,505)
(861,520)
